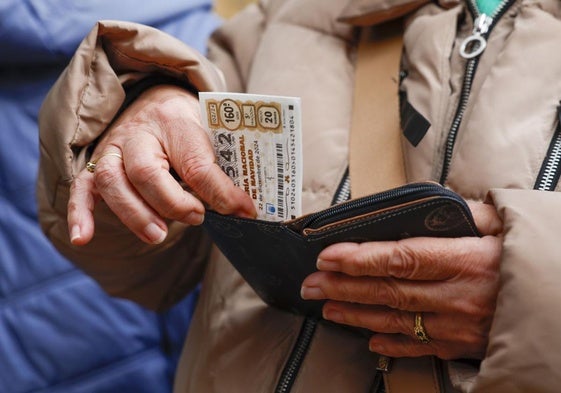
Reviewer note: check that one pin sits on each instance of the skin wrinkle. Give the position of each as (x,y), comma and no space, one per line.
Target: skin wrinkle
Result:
(469,268)
(198,167)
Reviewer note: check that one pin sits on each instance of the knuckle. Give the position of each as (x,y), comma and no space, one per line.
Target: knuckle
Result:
(105,177)
(142,173)
(356,319)
(72,207)
(343,292)
(223,203)
(387,292)
(131,218)
(168,109)
(174,210)
(472,340)
(179,210)
(196,169)
(198,172)
(478,309)
(77,185)
(402,261)
(395,321)
(362,262)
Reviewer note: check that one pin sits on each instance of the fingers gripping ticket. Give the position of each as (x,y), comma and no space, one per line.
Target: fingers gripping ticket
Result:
(160,130)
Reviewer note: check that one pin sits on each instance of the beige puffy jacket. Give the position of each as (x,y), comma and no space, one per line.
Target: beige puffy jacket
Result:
(307,48)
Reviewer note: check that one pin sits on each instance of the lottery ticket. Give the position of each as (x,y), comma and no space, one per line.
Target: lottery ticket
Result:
(258,144)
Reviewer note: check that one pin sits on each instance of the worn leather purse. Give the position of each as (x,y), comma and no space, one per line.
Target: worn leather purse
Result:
(275,257)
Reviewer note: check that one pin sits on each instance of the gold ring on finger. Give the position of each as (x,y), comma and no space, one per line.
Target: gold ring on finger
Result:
(419,329)
(91,165)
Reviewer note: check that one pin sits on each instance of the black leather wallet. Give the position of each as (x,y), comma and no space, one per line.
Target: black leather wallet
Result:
(275,257)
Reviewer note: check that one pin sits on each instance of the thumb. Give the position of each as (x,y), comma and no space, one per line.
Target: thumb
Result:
(486,218)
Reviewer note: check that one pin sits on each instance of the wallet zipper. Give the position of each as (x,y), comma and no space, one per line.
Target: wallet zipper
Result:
(354,207)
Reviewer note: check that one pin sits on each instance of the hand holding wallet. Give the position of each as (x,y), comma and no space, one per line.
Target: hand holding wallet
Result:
(275,257)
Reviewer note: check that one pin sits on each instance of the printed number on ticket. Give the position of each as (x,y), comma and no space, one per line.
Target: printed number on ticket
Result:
(257,141)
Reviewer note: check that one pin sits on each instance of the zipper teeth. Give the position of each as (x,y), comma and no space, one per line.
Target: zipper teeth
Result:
(451,140)
(550,173)
(297,356)
(471,67)
(501,8)
(344,192)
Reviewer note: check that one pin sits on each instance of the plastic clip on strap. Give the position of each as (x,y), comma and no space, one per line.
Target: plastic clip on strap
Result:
(376,164)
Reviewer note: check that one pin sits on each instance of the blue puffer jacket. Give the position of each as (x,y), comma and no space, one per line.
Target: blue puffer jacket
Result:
(58,331)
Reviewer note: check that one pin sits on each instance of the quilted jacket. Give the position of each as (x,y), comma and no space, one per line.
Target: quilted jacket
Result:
(489,129)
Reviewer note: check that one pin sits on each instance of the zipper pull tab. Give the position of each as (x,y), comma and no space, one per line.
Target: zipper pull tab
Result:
(475,44)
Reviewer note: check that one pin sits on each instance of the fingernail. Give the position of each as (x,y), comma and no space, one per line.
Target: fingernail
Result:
(329,266)
(195,218)
(376,347)
(75,233)
(333,315)
(312,293)
(154,233)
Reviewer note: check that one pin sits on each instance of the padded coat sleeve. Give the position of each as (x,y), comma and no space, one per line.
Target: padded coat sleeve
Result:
(78,109)
(524,351)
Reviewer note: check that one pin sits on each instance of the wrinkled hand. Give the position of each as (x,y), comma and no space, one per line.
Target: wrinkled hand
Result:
(381,285)
(159,131)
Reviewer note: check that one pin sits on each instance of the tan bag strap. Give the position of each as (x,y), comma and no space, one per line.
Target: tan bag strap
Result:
(376,159)
(376,164)
(419,375)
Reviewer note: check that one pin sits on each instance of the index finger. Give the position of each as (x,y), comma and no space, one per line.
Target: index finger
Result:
(413,258)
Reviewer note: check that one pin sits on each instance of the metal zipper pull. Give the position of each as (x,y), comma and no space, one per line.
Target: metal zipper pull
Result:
(475,44)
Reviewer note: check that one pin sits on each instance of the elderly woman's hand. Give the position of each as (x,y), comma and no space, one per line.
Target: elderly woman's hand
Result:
(159,131)
(451,285)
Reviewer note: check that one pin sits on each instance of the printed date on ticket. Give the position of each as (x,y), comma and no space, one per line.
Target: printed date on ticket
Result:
(257,142)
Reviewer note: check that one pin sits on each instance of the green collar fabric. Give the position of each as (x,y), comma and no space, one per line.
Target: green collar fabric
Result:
(487,7)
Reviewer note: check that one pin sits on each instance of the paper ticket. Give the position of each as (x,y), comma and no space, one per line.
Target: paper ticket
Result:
(257,141)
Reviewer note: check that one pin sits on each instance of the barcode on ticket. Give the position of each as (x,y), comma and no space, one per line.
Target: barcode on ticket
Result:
(257,142)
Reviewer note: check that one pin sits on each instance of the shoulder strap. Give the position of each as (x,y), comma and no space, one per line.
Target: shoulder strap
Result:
(376,164)
(376,159)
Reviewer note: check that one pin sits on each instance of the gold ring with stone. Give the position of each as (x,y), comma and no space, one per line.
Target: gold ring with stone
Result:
(419,329)
(91,165)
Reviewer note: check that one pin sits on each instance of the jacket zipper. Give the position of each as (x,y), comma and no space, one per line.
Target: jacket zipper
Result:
(471,49)
(296,358)
(551,169)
